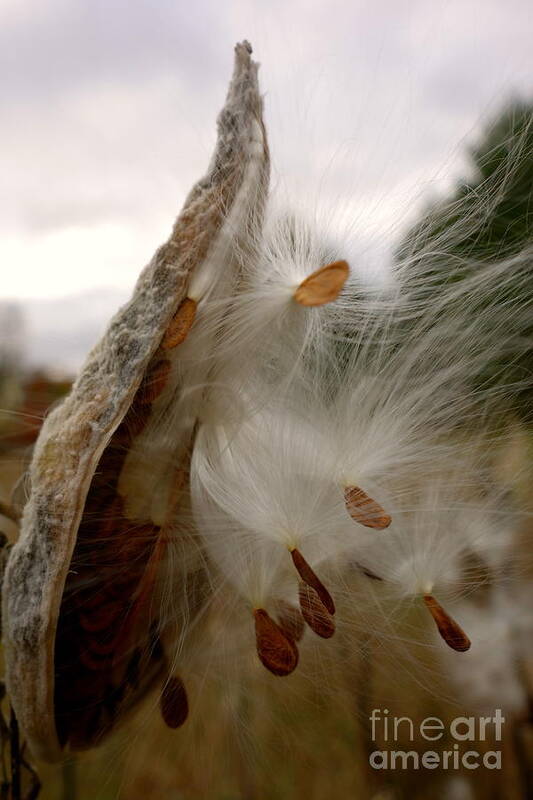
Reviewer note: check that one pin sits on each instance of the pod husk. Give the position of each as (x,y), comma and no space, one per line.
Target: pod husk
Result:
(76,434)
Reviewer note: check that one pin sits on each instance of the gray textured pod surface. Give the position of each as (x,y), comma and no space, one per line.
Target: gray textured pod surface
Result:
(76,433)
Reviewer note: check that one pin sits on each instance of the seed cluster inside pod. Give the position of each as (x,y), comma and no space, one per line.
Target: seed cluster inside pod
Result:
(108,646)
(128,521)
(98,638)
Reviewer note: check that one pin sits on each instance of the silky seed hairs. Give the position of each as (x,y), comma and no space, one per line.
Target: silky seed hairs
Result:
(257,429)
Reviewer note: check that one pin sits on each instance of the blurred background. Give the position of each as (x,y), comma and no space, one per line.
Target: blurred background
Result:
(380,109)
(109,117)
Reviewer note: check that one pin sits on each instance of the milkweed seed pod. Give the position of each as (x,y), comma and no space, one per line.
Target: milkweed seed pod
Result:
(83,641)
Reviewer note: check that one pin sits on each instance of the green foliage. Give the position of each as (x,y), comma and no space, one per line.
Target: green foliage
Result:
(489,216)
(488,219)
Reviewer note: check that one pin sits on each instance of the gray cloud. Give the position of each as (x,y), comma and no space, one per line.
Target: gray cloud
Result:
(109,108)
(106,102)
(69,45)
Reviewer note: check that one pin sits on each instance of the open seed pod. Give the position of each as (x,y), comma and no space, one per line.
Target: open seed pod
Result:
(82,634)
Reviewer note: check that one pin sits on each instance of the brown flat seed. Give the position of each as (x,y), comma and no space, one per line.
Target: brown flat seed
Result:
(309,577)
(317,617)
(174,704)
(290,620)
(276,651)
(364,510)
(449,629)
(154,382)
(177,331)
(322,286)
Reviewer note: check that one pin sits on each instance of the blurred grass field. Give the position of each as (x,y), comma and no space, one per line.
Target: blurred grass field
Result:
(306,736)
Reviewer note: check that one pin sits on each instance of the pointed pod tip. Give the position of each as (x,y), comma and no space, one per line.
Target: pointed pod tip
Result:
(244,45)
(449,629)
(243,58)
(322,286)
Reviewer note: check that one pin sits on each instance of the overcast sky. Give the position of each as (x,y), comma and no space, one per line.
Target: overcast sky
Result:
(110,107)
